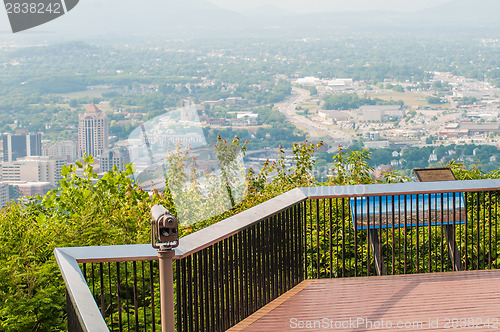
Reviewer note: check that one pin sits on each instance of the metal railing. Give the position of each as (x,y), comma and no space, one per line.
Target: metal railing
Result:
(227,271)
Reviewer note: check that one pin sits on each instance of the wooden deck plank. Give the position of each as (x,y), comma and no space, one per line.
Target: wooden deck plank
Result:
(423,301)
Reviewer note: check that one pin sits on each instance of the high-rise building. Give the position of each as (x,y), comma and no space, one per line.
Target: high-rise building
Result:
(21,145)
(92,132)
(118,157)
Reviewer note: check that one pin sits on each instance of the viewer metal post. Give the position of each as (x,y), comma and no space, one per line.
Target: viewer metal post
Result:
(164,229)
(167,290)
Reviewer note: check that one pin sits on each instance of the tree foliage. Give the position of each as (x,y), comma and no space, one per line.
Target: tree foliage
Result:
(84,211)
(350,101)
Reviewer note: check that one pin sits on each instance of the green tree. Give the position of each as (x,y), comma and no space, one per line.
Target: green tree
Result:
(83,211)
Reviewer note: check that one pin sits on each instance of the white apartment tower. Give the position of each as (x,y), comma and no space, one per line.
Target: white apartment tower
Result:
(92,132)
(33,169)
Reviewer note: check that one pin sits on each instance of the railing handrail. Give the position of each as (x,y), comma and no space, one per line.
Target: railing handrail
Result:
(214,233)
(407,188)
(86,308)
(79,294)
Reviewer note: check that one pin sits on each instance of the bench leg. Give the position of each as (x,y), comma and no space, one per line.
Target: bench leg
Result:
(377,254)
(449,232)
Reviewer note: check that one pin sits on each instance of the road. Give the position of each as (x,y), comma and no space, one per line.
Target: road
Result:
(316,130)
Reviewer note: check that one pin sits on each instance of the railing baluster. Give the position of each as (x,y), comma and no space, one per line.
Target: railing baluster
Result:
(496,229)
(368,258)
(180,300)
(489,230)
(478,211)
(454,232)
(196,290)
(126,296)
(330,236)
(442,228)
(93,278)
(101,284)
(206,289)
(281,259)
(400,198)
(253,269)
(429,234)
(201,277)
(343,237)
(213,290)
(418,233)
(227,270)
(152,293)
(355,213)
(143,295)
(483,224)
(318,268)
(243,297)
(304,245)
(185,300)
(311,239)
(118,292)
(381,232)
(337,237)
(393,237)
(288,247)
(467,219)
(272,257)
(297,257)
(136,302)
(110,297)
(406,233)
(232,266)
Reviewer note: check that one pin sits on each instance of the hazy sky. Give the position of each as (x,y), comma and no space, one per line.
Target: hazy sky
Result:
(304,6)
(112,11)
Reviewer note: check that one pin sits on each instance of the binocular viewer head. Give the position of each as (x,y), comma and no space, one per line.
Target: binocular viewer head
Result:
(164,227)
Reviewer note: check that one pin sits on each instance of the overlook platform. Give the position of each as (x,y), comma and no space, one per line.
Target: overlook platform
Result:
(298,262)
(418,302)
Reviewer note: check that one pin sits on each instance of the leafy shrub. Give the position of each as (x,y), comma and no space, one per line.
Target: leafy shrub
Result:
(84,211)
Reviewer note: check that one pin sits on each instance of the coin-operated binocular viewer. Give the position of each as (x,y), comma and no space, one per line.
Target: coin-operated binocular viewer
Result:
(164,229)
(164,238)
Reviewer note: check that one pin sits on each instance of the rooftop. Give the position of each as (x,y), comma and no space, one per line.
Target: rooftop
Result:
(92,109)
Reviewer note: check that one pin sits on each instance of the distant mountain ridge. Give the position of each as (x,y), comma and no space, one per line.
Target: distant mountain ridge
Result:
(475,13)
(202,18)
(459,14)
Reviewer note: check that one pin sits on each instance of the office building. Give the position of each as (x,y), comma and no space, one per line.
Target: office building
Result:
(64,149)
(33,169)
(92,132)
(118,157)
(21,145)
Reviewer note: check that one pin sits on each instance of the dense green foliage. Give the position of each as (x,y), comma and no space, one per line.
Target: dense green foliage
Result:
(350,101)
(83,211)
(470,155)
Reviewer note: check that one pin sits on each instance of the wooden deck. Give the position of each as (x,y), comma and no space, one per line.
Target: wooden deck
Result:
(423,302)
